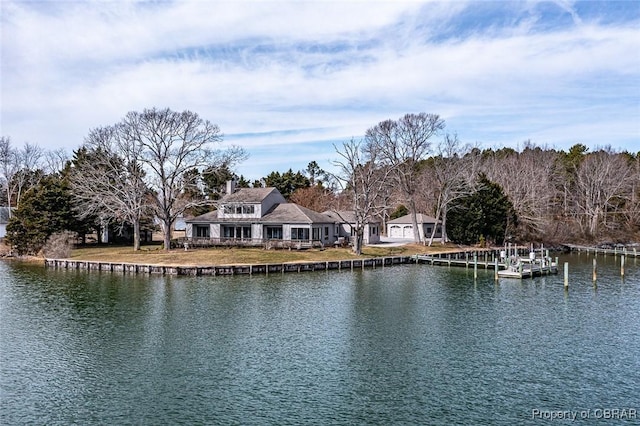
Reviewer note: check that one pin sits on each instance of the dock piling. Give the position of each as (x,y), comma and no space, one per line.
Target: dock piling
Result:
(475,266)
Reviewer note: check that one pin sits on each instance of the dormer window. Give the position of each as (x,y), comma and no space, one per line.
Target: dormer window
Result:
(240,209)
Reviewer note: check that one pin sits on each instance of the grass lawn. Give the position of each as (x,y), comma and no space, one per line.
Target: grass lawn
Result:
(154,255)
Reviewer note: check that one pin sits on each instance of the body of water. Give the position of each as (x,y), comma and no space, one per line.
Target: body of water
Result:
(412,344)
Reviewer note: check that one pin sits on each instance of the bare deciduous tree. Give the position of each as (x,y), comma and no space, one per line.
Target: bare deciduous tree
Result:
(401,145)
(316,197)
(527,179)
(450,176)
(172,143)
(109,181)
(604,184)
(55,160)
(19,169)
(365,180)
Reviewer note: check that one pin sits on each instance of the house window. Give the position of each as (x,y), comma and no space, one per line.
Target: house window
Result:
(202,231)
(299,233)
(248,209)
(228,231)
(246,232)
(428,230)
(243,232)
(236,232)
(316,234)
(274,232)
(326,232)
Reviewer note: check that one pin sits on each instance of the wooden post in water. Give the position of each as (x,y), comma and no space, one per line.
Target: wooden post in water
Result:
(595,270)
(475,266)
(495,274)
(566,275)
(622,266)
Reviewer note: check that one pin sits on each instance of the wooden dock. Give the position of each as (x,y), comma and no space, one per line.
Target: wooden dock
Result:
(528,269)
(615,251)
(215,270)
(507,267)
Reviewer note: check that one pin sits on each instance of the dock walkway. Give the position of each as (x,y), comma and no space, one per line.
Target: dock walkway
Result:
(615,251)
(513,267)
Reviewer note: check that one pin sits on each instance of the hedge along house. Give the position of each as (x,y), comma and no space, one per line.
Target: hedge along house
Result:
(403,228)
(346,223)
(261,216)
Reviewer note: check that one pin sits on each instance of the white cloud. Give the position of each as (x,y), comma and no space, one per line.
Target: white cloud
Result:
(275,74)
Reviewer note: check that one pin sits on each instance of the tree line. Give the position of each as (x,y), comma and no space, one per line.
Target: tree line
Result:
(157,165)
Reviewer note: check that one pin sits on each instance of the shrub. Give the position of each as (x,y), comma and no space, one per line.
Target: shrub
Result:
(59,245)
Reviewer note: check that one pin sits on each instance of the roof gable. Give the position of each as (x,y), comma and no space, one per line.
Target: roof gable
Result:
(207,217)
(293,213)
(250,195)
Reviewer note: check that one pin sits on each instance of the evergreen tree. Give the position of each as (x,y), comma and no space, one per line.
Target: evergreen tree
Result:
(287,182)
(400,211)
(44,210)
(484,215)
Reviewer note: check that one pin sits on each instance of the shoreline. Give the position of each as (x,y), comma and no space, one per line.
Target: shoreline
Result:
(222,270)
(467,256)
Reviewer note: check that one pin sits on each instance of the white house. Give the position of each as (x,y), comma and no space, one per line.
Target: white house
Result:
(403,228)
(256,216)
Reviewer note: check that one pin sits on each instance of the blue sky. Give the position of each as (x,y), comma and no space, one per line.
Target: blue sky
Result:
(287,80)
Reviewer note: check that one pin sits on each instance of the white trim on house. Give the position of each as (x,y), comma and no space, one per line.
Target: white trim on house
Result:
(255,216)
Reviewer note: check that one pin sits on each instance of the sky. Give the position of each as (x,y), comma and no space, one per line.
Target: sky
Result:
(289,81)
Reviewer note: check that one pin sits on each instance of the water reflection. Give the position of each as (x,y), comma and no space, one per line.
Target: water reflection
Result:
(407,344)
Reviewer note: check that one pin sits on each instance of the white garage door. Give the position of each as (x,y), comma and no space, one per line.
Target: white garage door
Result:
(407,231)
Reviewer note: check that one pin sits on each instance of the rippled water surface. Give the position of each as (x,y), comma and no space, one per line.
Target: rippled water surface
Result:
(411,344)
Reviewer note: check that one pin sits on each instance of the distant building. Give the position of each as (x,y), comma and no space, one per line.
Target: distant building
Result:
(403,228)
(346,220)
(262,216)
(5,214)
(256,216)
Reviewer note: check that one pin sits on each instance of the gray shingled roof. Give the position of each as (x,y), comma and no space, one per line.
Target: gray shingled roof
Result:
(345,216)
(248,195)
(293,213)
(341,216)
(207,217)
(422,218)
